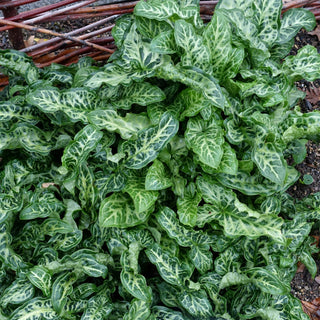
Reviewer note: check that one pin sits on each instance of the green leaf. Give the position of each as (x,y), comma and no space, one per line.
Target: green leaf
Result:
(35,309)
(304,65)
(229,161)
(196,53)
(292,21)
(205,138)
(151,28)
(150,142)
(233,279)
(267,18)
(136,285)
(157,177)
(78,150)
(43,206)
(270,162)
(183,235)
(61,289)
(196,79)
(139,93)
(41,278)
(201,257)
(187,209)
(118,210)
(236,217)
(75,103)
(20,63)
(269,280)
(127,126)
(196,303)
(159,312)
(225,59)
(155,9)
(143,199)
(99,307)
(169,267)
(164,43)
(18,292)
(139,310)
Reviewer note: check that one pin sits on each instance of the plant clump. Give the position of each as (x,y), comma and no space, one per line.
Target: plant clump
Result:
(154,187)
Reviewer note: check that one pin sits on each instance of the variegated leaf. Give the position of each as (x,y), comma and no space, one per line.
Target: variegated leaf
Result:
(127,126)
(53,226)
(247,184)
(269,280)
(151,28)
(304,65)
(136,54)
(183,235)
(270,162)
(9,205)
(66,241)
(169,267)
(267,18)
(196,303)
(193,102)
(150,142)
(157,177)
(139,93)
(121,28)
(229,161)
(98,308)
(40,277)
(164,43)
(248,32)
(292,21)
(20,63)
(196,53)
(75,103)
(139,310)
(78,150)
(201,257)
(236,217)
(233,279)
(136,285)
(205,138)
(86,186)
(156,9)
(44,206)
(225,59)
(187,208)
(61,289)
(159,312)
(143,199)
(168,294)
(9,111)
(35,309)
(196,79)
(118,211)
(18,292)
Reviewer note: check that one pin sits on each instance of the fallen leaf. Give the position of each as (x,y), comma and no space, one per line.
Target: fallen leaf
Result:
(301,267)
(311,310)
(316,32)
(313,95)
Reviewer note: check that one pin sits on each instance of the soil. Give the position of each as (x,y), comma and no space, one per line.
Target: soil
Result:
(303,286)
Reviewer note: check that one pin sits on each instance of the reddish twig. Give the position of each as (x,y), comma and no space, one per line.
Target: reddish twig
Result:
(53,33)
(57,39)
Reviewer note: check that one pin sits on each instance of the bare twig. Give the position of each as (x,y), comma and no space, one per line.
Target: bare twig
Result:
(53,33)
(57,39)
